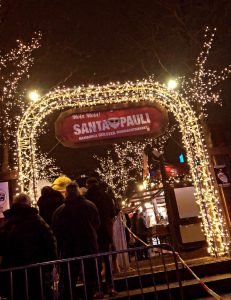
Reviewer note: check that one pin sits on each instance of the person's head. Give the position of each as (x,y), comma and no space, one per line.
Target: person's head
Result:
(104,186)
(46,191)
(148,149)
(137,212)
(22,199)
(92,181)
(83,191)
(72,190)
(60,184)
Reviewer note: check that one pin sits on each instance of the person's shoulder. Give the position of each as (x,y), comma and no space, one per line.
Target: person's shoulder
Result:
(40,220)
(40,200)
(89,203)
(57,195)
(60,208)
(103,195)
(93,194)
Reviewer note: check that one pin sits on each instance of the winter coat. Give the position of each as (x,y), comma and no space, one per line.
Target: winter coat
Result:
(48,203)
(106,210)
(75,224)
(142,228)
(134,225)
(128,224)
(25,237)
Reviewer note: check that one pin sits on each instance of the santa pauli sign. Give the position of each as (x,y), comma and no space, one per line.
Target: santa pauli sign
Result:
(77,128)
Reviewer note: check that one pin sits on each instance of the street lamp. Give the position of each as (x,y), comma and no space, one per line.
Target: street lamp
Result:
(172,84)
(33,96)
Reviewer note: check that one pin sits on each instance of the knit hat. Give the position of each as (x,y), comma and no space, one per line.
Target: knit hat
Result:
(60,183)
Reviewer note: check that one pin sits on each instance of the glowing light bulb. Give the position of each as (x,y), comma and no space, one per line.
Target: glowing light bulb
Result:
(172,84)
(34,96)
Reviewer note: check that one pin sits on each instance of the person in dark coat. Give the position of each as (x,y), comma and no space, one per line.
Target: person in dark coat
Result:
(75,224)
(107,212)
(142,232)
(128,224)
(134,222)
(25,239)
(134,229)
(48,202)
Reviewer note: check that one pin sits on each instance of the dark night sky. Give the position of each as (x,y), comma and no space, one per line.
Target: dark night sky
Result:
(109,40)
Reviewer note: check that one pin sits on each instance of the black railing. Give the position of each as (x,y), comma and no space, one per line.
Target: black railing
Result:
(156,277)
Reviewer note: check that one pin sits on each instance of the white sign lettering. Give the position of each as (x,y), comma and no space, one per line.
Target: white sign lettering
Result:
(111,123)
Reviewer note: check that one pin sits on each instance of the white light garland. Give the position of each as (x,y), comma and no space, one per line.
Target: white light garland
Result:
(14,65)
(195,92)
(213,223)
(124,162)
(199,89)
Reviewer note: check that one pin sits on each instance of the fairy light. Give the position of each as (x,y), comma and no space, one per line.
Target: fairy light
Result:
(172,84)
(199,88)
(45,163)
(14,66)
(124,162)
(198,91)
(34,95)
(179,103)
(192,138)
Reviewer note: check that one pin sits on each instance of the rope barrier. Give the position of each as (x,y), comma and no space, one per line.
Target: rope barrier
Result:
(211,292)
(208,290)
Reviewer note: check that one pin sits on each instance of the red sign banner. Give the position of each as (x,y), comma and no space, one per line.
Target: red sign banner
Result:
(77,129)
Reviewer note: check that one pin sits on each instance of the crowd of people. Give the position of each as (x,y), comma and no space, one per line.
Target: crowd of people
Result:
(76,223)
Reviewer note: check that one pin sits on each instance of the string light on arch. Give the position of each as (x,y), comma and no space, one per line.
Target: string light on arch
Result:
(129,92)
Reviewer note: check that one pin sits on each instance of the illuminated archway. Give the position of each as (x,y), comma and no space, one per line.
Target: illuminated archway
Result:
(206,195)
